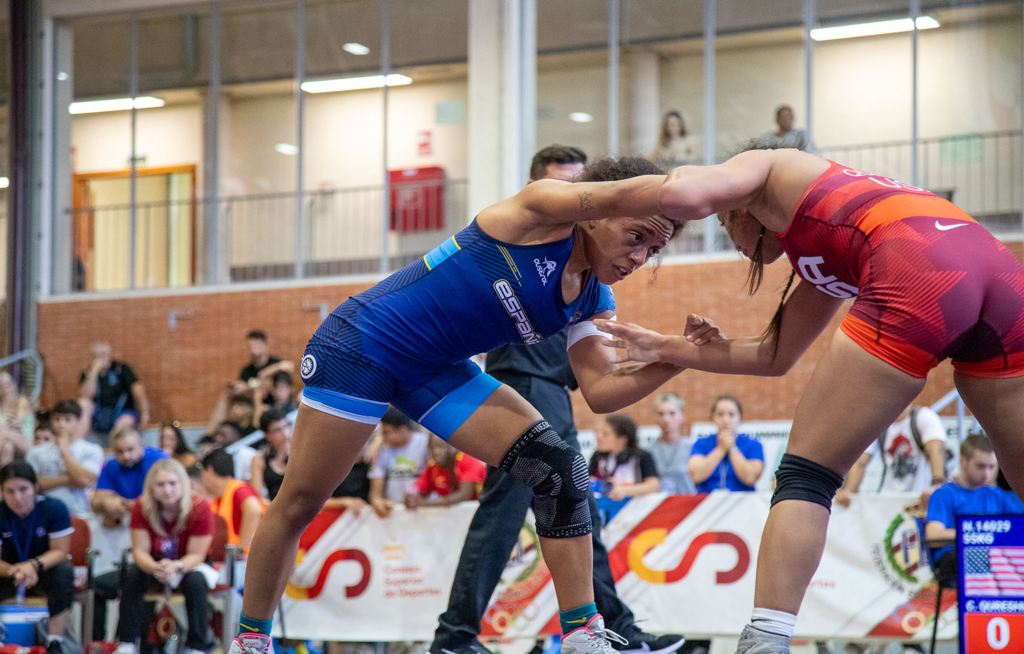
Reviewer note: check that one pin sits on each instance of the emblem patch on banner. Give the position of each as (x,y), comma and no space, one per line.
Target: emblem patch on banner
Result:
(900,555)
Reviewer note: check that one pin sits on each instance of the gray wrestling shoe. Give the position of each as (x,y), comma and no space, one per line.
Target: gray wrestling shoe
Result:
(591,639)
(251,644)
(755,641)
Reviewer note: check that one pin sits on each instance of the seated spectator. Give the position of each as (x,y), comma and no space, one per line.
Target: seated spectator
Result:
(268,466)
(402,458)
(17,422)
(172,442)
(122,479)
(195,478)
(354,491)
(44,432)
(279,391)
(235,501)
(670,453)
(912,453)
(118,397)
(171,535)
(727,460)
(34,550)
(629,470)
(261,364)
(974,492)
(452,475)
(253,379)
(68,466)
(237,408)
(229,433)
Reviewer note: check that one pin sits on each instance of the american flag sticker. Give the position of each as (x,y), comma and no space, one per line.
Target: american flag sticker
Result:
(994,571)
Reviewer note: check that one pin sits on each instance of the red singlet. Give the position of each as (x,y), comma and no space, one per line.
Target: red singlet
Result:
(929,281)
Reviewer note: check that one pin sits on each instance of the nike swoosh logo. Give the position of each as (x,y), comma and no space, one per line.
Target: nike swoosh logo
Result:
(946,228)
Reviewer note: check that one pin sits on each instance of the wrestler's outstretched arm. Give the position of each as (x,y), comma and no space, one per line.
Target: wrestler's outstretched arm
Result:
(804,316)
(608,387)
(551,203)
(695,192)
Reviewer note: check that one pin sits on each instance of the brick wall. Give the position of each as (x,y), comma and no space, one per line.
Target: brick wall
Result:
(184,369)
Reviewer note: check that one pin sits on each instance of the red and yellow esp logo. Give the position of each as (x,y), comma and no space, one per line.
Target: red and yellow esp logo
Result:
(647,540)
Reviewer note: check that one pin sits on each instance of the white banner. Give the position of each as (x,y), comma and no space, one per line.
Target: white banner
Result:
(683,563)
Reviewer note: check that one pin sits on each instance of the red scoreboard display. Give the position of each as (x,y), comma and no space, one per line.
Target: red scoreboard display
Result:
(991,592)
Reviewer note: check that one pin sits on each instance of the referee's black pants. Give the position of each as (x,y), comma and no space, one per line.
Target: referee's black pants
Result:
(495,528)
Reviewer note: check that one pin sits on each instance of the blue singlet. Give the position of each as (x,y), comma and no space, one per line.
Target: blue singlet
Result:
(407,341)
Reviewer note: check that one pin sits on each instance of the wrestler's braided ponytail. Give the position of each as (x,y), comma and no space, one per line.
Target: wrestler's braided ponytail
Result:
(754,278)
(771,333)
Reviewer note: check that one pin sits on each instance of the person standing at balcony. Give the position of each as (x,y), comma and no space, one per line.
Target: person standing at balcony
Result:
(117,396)
(675,145)
(787,136)
(525,269)
(927,283)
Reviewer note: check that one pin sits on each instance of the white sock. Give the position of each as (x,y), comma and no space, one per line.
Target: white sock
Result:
(779,623)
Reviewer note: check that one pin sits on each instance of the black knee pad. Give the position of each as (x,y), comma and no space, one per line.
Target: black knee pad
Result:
(558,476)
(802,479)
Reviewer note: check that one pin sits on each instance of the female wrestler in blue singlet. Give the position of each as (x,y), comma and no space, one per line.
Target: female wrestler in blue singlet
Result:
(523,270)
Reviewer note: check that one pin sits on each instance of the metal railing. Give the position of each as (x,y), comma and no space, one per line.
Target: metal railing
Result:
(3,251)
(980,173)
(341,230)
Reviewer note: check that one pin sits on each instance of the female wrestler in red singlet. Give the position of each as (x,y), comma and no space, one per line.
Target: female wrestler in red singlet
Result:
(928,283)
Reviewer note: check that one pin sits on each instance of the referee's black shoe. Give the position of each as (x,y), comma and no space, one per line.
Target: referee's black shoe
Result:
(472,647)
(641,642)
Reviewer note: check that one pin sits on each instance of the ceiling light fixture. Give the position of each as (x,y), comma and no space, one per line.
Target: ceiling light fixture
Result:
(286,148)
(581,117)
(118,104)
(4,182)
(355,48)
(873,29)
(355,83)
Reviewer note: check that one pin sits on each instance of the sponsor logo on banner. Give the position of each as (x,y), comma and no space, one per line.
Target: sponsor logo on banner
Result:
(337,556)
(651,538)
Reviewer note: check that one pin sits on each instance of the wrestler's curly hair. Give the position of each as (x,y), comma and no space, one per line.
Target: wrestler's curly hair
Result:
(613,170)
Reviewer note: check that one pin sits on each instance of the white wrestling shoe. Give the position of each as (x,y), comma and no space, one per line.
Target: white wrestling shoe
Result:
(755,641)
(251,644)
(591,639)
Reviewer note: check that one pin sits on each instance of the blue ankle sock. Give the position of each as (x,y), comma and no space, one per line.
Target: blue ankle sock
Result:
(247,625)
(577,617)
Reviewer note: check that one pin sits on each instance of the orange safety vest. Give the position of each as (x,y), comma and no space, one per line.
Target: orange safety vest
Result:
(224,506)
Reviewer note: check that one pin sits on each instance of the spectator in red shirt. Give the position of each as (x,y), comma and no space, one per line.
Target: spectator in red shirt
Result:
(235,501)
(455,477)
(171,536)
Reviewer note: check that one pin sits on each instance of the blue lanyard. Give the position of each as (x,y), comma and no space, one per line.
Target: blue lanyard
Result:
(22,551)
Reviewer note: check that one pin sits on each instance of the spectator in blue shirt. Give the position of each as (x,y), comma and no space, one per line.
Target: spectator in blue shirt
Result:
(34,552)
(122,479)
(727,460)
(974,492)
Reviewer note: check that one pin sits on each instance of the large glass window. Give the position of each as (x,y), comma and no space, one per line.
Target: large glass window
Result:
(267,181)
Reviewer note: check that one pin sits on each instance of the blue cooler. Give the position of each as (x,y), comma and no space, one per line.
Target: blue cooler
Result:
(20,622)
